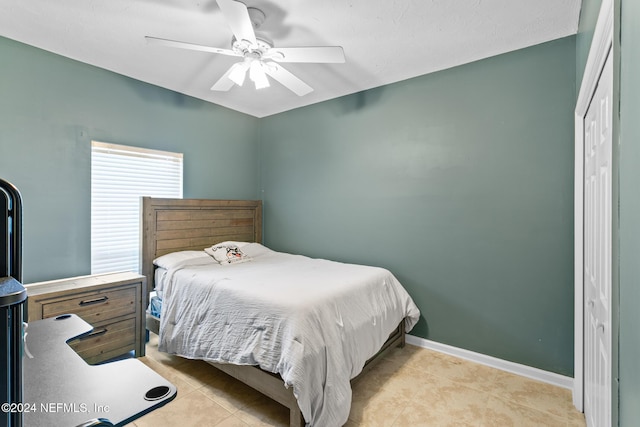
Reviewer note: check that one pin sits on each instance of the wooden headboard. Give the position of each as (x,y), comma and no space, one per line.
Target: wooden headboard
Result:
(171,225)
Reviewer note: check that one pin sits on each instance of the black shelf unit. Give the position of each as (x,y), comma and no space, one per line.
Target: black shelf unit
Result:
(13,297)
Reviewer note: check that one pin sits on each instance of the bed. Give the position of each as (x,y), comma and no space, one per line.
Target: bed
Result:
(276,355)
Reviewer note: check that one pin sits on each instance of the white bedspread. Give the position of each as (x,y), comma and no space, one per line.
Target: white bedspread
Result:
(314,322)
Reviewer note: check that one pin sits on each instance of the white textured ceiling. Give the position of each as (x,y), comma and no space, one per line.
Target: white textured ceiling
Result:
(384,40)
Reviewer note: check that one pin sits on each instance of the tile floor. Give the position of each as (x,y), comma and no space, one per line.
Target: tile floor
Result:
(411,387)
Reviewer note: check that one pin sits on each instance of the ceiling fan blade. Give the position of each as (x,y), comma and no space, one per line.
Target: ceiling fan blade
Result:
(317,54)
(224,83)
(287,79)
(238,19)
(191,46)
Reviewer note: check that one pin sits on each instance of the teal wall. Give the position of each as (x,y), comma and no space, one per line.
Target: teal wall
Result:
(629,176)
(460,182)
(52,107)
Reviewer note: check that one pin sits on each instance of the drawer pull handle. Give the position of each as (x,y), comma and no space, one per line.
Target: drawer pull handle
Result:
(94,333)
(94,301)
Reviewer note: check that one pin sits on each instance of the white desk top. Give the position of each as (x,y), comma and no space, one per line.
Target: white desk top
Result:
(61,389)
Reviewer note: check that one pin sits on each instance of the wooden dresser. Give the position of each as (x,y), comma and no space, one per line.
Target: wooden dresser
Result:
(112,303)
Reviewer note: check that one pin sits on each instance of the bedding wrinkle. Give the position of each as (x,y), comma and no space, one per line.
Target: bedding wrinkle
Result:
(314,322)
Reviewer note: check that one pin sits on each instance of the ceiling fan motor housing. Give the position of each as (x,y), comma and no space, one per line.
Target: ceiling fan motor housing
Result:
(247,49)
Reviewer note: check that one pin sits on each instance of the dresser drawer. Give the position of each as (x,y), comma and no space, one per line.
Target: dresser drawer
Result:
(107,340)
(94,307)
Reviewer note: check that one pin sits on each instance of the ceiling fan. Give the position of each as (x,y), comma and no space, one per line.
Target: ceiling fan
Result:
(260,57)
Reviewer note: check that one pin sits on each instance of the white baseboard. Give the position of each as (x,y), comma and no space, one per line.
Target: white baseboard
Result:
(504,365)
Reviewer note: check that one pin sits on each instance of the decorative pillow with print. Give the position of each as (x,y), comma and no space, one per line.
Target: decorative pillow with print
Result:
(227,254)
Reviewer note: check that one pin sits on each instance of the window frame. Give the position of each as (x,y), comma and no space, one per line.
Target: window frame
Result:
(120,176)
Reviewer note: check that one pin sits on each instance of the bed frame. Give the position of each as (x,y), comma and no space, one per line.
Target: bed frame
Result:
(170,225)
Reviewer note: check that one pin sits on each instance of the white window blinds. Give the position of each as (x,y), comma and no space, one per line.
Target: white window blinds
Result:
(120,175)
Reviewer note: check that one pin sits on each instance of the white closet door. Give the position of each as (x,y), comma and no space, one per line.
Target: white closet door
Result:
(597,251)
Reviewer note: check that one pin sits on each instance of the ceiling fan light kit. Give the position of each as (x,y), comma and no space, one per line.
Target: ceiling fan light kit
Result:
(237,73)
(260,57)
(257,74)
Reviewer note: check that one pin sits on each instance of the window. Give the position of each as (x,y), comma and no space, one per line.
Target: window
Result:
(120,175)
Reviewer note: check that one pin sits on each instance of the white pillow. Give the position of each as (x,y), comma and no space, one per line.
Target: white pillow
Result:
(171,260)
(227,253)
